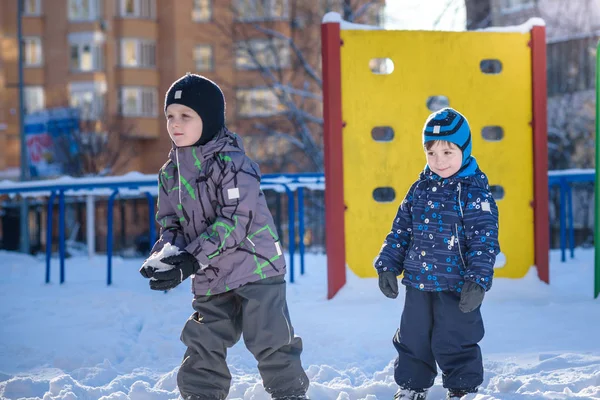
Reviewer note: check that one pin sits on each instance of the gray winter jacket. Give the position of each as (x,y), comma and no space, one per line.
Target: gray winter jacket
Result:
(210,204)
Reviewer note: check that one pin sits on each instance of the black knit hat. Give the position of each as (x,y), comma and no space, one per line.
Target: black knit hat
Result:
(203,96)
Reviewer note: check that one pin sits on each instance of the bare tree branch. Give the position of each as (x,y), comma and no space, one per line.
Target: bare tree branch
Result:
(309,70)
(89,151)
(286,59)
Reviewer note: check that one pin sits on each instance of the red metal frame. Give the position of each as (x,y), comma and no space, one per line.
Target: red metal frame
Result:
(334,166)
(540,152)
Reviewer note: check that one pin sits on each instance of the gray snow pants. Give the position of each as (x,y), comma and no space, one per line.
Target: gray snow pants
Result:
(259,311)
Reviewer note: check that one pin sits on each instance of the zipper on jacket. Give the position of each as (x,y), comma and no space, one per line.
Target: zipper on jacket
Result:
(178,173)
(459,203)
(458,244)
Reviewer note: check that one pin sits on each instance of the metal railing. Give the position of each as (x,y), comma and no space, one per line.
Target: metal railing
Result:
(290,184)
(147,184)
(564,180)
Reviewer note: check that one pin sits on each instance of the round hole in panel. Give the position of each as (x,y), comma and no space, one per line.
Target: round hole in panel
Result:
(384,194)
(435,103)
(492,133)
(497,192)
(382,133)
(490,66)
(381,66)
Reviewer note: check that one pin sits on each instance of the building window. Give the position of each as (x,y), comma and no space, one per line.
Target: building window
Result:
(32,47)
(88,97)
(138,101)
(138,8)
(261,10)
(509,6)
(34,98)
(84,10)
(571,65)
(31,8)
(85,57)
(202,11)
(86,51)
(257,102)
(262,53)
(203,57)
(138,53)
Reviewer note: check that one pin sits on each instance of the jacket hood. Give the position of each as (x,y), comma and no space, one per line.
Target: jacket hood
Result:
(472,176)
(224,141)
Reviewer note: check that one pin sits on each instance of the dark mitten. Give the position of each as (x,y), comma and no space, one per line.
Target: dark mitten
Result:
(388,284)
(471,296)
(147,271)
(184,265)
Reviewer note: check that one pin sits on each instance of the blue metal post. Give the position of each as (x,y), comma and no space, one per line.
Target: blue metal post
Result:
(301,227)
(49,213)
(563,234)
(61,234)
(151,220)
(25,245)
(571,222)
(109,236)
(291,230)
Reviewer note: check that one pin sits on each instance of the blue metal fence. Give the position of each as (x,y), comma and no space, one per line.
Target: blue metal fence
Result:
(147,184)
(290,184)
(564,180)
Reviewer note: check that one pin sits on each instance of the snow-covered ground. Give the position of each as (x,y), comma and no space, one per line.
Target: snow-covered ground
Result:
(84,340)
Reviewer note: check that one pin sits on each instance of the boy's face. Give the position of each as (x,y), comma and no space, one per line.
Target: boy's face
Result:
(184,125)
(444,158)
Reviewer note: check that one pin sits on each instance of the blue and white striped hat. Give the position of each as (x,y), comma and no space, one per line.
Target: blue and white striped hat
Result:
(449,125)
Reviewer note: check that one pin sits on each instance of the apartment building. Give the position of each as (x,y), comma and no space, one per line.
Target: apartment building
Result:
(115,59)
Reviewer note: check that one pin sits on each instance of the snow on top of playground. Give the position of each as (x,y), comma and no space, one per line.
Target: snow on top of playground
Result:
(334,17)
(523,28)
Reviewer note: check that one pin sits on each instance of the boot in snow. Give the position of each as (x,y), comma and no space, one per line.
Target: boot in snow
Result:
(457,394)
(410,394)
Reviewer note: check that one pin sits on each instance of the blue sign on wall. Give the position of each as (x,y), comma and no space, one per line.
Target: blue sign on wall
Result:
(50,140)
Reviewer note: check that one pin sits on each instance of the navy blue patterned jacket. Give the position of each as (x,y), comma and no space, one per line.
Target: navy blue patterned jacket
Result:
(445,232)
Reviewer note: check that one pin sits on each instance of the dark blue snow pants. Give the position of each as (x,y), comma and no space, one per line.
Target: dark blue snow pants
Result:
(432,330)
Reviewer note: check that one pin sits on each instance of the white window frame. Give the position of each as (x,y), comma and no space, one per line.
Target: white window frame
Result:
(37,8)
(138,12)
(93,10)
(512,6)
(269,7)
(138,93)
(31,91)
(91,92)
(93,40)
(202,10)
(30,60)
(264,102)
(201,63)
(139,53)
(95,54)
(279,59)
